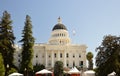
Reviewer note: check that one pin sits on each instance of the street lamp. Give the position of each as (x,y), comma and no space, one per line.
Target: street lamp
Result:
(26,73)
(33,73)
(7,69)
(7,65)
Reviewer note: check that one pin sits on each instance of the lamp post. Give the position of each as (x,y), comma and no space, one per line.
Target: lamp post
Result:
(7,65)
(33,73)
(26,73)
(7,69)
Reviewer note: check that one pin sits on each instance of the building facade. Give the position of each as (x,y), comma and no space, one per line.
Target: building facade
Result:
(59,48)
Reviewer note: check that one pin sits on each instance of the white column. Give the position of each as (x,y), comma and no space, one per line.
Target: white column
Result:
(64,58)
(46,58)
(52,58)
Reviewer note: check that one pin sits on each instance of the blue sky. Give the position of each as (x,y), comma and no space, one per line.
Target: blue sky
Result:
(91,19)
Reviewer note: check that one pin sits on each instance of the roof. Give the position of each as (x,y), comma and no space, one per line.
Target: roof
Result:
(112,74)
(74,71)
(44,71)
(15,74)
(59,26)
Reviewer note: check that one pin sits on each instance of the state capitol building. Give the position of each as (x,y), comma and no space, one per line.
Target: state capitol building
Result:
(58,48)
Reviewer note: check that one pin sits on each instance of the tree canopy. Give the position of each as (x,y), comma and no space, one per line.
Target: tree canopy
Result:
(27,46)
(90,61)
(58,68)
(7,40)
(108,56)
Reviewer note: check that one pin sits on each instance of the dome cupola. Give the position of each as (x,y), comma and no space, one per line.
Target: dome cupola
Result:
(59,25)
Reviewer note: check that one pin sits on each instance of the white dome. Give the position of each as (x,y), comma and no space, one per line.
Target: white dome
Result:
(59,35)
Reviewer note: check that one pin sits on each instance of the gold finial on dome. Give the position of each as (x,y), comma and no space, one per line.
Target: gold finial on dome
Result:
(59,20)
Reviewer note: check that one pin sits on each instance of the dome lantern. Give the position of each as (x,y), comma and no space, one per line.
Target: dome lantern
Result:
(59,20)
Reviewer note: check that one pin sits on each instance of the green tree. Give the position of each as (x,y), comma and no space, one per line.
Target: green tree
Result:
(2,68)
(90,60)
(27,46)
(108,56)
(58,68)
(7,40)
(11,70)
(38,67)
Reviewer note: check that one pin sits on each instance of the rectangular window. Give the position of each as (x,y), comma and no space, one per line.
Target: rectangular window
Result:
(43,56)
(67,55)
(36,56)
(67,65)
(79,56)
(81,62)
(60,55)
(49,56)
(55,55)
(73,55)
(73,63)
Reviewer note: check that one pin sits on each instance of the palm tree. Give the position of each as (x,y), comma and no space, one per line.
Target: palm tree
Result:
(90,61)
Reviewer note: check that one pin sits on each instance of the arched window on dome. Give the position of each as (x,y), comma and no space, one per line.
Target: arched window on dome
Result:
(60,34)
(64,34)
